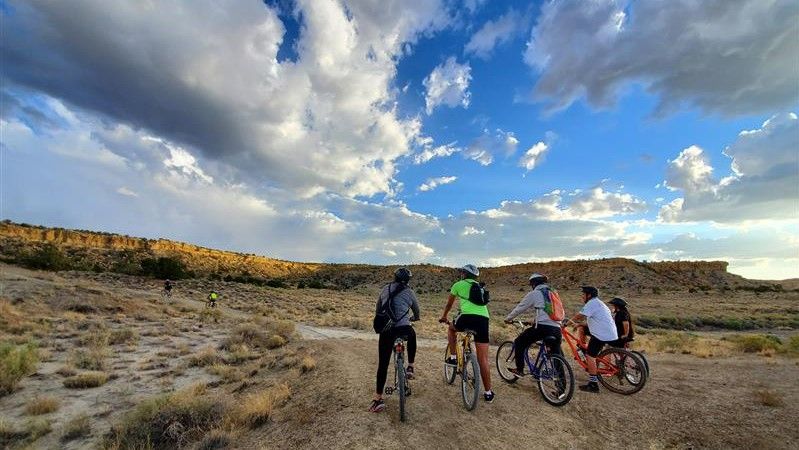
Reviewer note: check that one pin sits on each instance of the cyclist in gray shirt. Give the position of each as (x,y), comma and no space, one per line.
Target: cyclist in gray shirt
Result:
(544,325)
(405,308)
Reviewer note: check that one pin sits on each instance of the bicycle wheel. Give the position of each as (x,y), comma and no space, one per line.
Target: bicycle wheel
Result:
(400,381)
(470,381)
(506,360)
(555,380)
(449,370)
(643,359)
(627,373)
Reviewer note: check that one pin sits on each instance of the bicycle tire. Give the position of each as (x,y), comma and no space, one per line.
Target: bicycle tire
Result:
(643,359)
(470,381)
(400,379)
(449,371)
(620,381)
(556,369)
(503,359)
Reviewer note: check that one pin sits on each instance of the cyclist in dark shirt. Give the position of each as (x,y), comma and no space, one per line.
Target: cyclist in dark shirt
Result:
(623,321)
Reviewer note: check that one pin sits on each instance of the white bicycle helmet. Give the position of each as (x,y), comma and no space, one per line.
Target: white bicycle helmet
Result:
(471,269)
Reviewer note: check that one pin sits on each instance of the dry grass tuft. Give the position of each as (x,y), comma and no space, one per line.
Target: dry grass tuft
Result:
(215,440)
(16,362)
(66,371)
(42,405)
(205,357)
(91,359)
(256,409)
(754,343)
(769,397)
(123,336)
(168,421)
(227,373)
(209,315)
(308,364)
(86,380)
(276,341)
(76,428)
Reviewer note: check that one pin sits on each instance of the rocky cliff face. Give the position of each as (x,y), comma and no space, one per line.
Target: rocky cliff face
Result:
(108,252)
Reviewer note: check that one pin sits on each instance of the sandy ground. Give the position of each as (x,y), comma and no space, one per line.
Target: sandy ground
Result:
(689,402)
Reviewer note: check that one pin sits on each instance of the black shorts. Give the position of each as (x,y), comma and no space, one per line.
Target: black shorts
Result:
(478,324)
(595,346)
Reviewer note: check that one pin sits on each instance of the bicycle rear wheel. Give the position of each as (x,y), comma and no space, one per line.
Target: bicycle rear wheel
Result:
(555,380)
(449,370)
(470,381)
(505,360)
(644,360)
(628,373)
(400,383)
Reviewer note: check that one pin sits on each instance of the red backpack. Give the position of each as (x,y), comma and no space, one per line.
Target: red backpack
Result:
(552,305)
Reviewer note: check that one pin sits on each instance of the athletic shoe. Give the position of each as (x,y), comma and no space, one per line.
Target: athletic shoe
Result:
(409,372)
(592,386)
(488,396)
(451,360)
(377,406)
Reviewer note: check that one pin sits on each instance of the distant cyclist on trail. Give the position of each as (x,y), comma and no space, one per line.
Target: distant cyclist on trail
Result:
(471,317)
(403,301)
(545,326)
(601,328)
(168,285)
(212,297)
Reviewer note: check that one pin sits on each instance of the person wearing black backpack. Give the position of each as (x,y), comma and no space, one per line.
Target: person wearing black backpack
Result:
(473,315)
(544,325)
(392,319)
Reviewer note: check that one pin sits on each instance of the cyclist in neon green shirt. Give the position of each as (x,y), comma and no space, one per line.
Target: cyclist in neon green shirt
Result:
(472,317)
(212,297)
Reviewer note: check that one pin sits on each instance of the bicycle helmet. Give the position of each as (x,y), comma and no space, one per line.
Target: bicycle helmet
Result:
(590,290)
(537,279)
(402,275)
(618,301)
(470,269)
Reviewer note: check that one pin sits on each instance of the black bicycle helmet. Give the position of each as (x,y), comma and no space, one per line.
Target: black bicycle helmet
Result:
(618,301)
(402,275)
(590,290)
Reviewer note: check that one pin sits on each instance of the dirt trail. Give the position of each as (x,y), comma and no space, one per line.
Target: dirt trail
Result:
(690,403)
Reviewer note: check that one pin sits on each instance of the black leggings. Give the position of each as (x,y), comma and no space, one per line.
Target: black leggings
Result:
(531,335)
(385,348)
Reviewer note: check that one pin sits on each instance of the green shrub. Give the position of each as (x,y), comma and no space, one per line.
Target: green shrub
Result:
(47,257)
(753,343)
(16,362)
(164,267)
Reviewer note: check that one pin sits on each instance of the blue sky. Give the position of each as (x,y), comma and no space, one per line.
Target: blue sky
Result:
(395,132)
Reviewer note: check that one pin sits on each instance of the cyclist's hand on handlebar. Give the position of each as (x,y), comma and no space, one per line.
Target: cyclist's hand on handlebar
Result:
(414,319)
(443,319)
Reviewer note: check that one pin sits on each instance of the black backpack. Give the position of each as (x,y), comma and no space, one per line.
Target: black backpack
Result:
(478,294)
(384,317)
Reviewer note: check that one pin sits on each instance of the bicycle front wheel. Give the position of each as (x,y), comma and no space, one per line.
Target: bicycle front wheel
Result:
(621,371)
(506,360)
(470,381)
(449,370)
(400,379)
(555,380)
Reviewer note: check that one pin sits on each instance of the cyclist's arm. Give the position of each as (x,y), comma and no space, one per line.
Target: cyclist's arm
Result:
(414,307)
(527,302)
(450,302)
(579,317)
(626,329)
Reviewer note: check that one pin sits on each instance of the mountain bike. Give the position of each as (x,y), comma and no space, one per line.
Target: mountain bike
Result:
(640,355)
(466,366)
(552,372)
(619,370)
(402,386)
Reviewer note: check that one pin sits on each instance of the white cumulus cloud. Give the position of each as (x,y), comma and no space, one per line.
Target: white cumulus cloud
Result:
(448,84)
(433,183)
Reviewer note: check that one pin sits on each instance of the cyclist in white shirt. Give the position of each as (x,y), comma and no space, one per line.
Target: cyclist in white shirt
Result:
(601,327)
